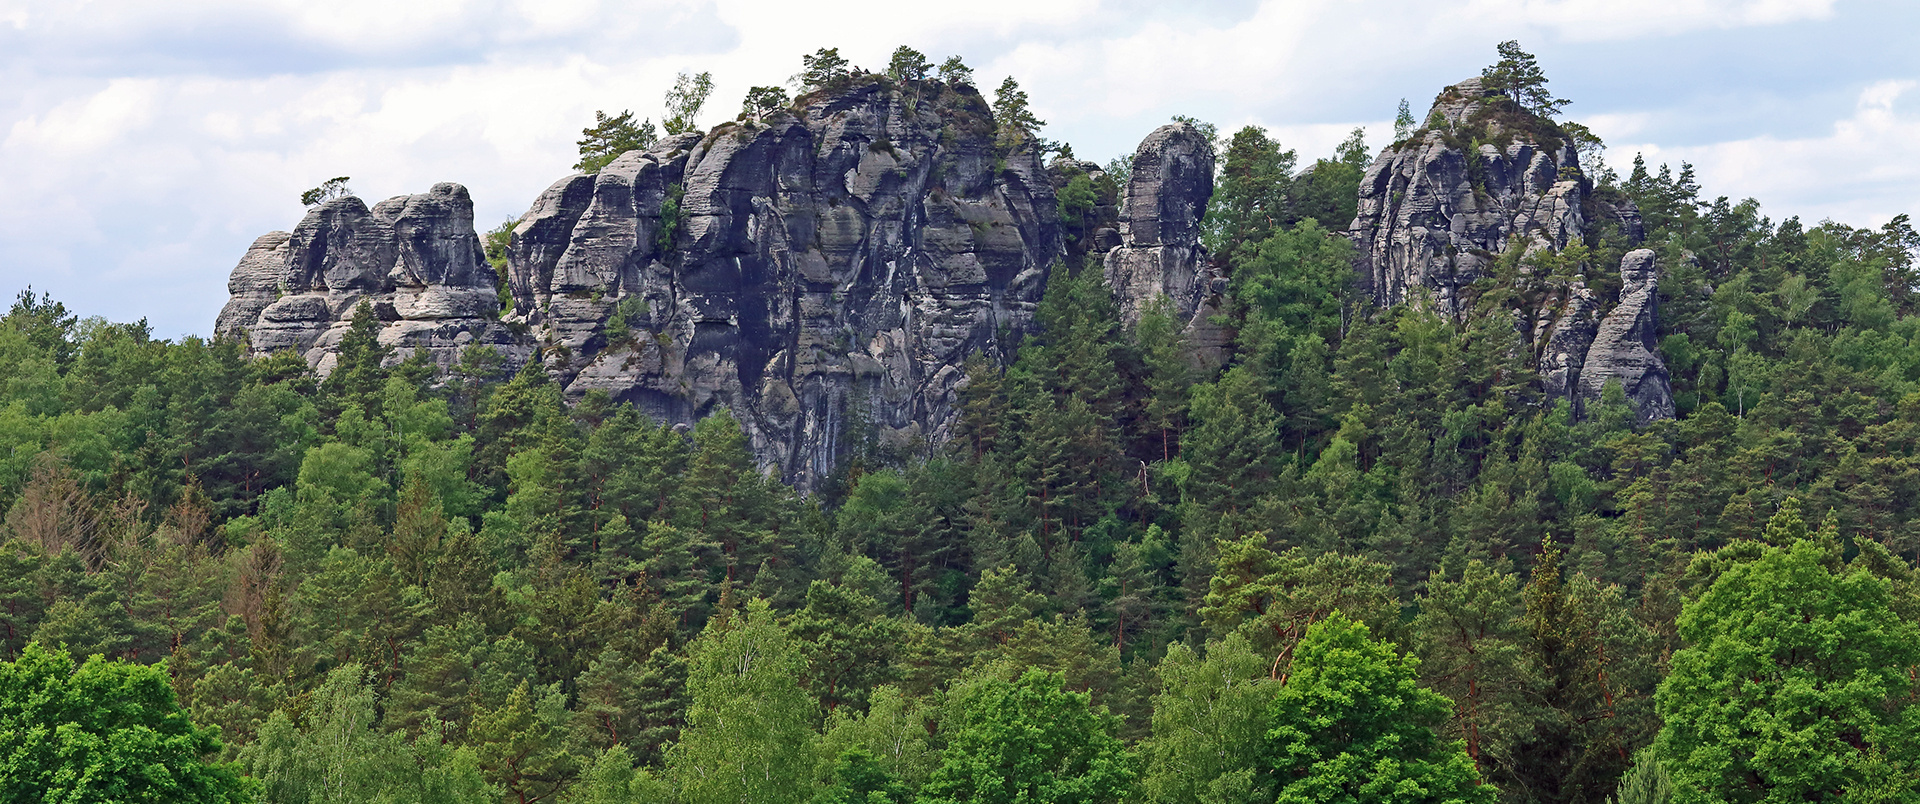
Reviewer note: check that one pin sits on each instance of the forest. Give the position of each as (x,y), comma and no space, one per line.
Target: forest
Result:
(1367,561)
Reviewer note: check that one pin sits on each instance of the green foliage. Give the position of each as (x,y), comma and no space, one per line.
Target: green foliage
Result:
(1351,724)
(747,730)
(763,101)
(908,64)
(1210,724)
(1403,122)
(1518,74)
(684,101)
(670,216)
(1794,684)
(328,190)
(610,137)
(824,69)
(956,72)
(1250,199)
(1027,740)
(1016,121)
(105,731)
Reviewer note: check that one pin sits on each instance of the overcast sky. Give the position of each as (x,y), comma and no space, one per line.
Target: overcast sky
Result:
(143,145)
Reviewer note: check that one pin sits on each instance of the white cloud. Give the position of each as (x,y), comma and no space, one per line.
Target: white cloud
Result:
(1617,19)
(1865,170)
(143,145)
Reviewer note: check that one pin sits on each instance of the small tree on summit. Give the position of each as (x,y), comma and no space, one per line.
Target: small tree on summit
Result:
(908,64)
(684,100)
(1010,110)
(762,101)
(1520,76)
(825,68)
(956,72)
(328,190)
(610,137)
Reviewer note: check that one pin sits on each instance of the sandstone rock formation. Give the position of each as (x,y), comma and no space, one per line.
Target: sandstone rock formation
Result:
(1483,181)
(1624,348)
(822,273)
(1437,209)
(414,258)
(1159,253)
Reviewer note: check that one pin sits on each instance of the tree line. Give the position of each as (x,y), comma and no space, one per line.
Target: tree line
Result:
(1364,561)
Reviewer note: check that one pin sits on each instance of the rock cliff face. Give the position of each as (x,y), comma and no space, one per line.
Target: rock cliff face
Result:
(415,259)
(1624,348)
(1485,180)
(1437,209)
(821,273)
(1159,252)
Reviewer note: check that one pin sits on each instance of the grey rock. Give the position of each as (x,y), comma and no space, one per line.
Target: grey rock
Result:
(1482,180)
(1624,348)
(1159,253)
(1435,212)
(256,283)
(414,259)
(823,278)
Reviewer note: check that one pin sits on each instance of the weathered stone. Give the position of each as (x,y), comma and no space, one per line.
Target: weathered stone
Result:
(1436,210)
(1159,252)
(415,260)
(1482,180)
(256,283)
(816,272)
(1625,349)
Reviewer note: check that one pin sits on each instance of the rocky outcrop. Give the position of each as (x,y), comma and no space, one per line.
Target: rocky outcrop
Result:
(256,283)
(1625,350)
(1159,253)
(414,259)
(822,273)
(1481,182)
(1437,209)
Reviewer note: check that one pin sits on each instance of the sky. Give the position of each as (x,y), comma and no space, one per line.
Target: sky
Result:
(144,145)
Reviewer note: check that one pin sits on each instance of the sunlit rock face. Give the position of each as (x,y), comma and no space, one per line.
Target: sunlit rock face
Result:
(414,260)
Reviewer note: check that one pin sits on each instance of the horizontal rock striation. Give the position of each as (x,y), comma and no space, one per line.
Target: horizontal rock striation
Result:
(1624,348)
(414,259)
(1159,253)
(821,272)
(1484,181)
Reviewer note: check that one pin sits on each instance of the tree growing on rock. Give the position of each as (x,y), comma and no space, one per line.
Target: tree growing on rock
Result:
(908,64)
(328,190)
(1011,112)
(684,100)
(610,137)
(1518,74)
(763,101)
(824,69)
(956,72)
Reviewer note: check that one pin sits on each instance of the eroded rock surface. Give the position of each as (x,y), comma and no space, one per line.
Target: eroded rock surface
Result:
(1437,209)
(1625,349)
(414,259)
(1482,182)
(1159,253)
(822,273)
